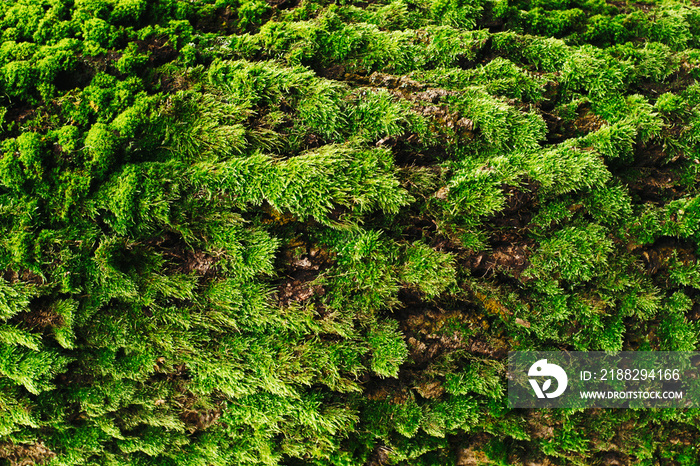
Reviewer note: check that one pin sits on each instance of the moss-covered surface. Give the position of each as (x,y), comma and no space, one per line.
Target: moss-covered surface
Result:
(308,233)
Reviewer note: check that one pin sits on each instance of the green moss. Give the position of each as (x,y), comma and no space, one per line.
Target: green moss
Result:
(246,232)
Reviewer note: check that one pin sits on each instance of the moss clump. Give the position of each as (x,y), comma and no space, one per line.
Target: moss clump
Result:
(309,232)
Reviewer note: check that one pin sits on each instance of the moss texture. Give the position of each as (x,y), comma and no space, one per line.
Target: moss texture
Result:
(303,232)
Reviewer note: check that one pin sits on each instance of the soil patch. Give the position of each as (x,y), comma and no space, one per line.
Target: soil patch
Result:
(160,52)
(675,83)
(25,454)
(221,20)
(655,257)
(200,420)
(470,450)
(505,257)
(41,317)
(521,205)
(76,78)
(560,129)
(300,272)
(283,4)
(654,185)
(509,248)
(25,276)
(379,456)
(182,259)
(20,114)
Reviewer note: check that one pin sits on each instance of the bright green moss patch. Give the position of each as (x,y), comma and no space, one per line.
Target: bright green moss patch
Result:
(308,233)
